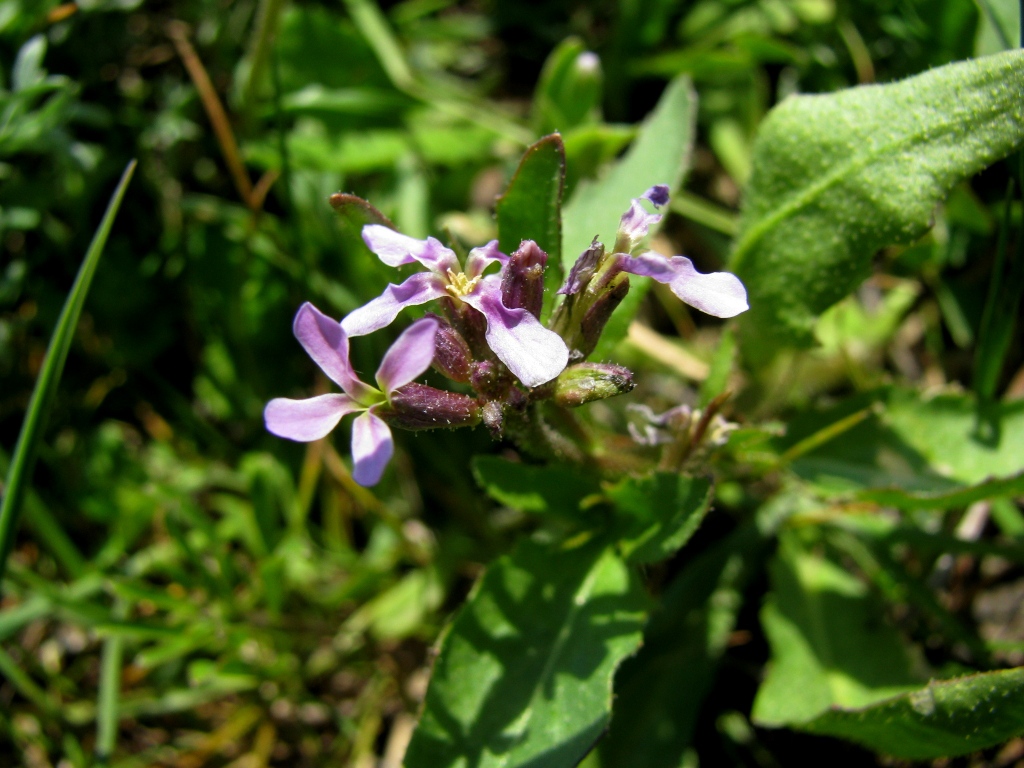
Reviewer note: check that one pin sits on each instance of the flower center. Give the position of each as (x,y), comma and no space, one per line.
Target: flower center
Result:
(459,285)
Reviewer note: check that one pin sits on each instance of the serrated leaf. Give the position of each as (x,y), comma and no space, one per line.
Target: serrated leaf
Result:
(659,513)
(830,643)
(659,155)
(525,672)
(943,719)
(531,208)
(838,176)
(547,489)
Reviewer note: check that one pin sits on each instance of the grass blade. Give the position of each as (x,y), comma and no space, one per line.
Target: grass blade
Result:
(23,460)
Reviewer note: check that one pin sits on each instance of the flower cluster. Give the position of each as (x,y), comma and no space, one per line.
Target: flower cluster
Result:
(489,338)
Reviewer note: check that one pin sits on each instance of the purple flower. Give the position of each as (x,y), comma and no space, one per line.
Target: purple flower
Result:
(310,419)
(718,293)
(532,352)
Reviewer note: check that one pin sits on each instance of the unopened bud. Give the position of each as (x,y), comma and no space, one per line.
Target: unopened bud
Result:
(451,352)
(597,316)
(583,270)
(586,382)
(523,283)
(418,406)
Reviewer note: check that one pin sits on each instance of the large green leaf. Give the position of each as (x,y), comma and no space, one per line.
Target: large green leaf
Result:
(830,643)
(944,718)
(838,176)
(531,208)
(658,514)
(524,675)
(548,489)
(659,155)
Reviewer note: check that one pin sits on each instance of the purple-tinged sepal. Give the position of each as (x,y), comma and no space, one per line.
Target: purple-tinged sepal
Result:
(452,356)
(597,316)
(585,382)
(583,270)
(418,406)
(522,284)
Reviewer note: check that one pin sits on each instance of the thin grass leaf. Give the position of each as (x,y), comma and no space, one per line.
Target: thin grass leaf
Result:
(109,698)
(46,385)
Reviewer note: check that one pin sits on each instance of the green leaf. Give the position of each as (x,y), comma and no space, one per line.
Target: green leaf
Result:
(531,208)
(998,26)
(659,692)
(19,475)
(524,674)
(830,643)
(659,155)
(943,719)
(837,177)
(548,489)
(659,513)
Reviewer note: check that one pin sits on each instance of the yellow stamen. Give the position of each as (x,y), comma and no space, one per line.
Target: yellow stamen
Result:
(459,285)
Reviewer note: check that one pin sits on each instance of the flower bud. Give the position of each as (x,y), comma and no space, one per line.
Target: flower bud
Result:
(586,382)
(451,352)
(418,406)
(597,316)
(523,283)
(583,270)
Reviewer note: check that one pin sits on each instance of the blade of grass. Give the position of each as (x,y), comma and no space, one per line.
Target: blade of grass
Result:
(107,716)
(26,686)
(20,472)
(49,531)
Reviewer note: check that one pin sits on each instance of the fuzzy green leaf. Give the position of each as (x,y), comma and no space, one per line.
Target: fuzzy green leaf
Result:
(838,176)
(943,719)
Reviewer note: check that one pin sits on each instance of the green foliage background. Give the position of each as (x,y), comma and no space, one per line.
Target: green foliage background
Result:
(186,589)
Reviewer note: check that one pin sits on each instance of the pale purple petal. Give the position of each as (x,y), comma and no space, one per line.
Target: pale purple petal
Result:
(372,448)
(533,353)
(380,312)
(307,420)
(396,249)
(718,293)
(658,195)
(326,342)
(481,258)
(636,223)
(410,355)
